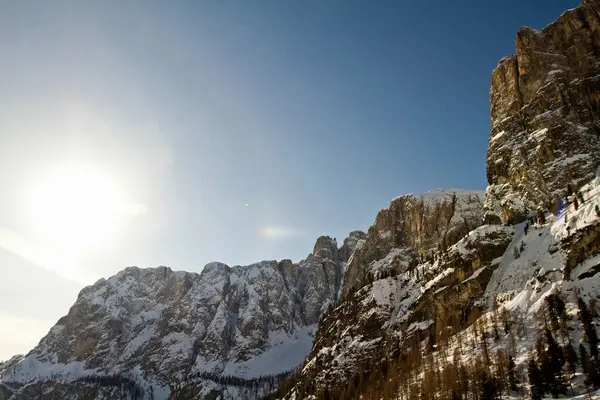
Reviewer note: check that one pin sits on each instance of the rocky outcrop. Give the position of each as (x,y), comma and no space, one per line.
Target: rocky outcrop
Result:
(417,224)
(166,325)
(427,300)
(545,114)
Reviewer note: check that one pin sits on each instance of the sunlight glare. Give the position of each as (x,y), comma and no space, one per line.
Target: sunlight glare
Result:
(78,207)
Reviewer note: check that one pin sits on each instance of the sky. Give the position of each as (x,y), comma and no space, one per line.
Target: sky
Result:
(177,133)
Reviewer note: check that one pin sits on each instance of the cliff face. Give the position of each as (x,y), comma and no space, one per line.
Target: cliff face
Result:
(415,226)
(168,325)
(545,110)
(406,299)
(391,291)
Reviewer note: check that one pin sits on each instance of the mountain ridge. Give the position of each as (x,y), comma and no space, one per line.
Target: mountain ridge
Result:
(432,271)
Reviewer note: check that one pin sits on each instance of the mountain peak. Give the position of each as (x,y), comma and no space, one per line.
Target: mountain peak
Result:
(544,116)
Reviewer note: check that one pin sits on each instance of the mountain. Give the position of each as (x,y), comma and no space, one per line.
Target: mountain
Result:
(545,114)
(222,331)
(450,294)
(415,226)
(160,327)
(397,294)
(404,313)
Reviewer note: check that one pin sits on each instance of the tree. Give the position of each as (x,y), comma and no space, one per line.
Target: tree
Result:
(495,330)
(588,328)
(536,383)
(513,381)
(592,307)
(489,387)
(591,338)
(553,367)
(541,218)
(559,322)
(597,210)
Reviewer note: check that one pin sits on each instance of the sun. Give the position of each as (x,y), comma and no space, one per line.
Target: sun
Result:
(77,206)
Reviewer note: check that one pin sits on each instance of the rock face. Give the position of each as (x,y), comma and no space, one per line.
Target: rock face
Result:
(416,226)
(391,291)
(165,325)
(392,296)
(545,114)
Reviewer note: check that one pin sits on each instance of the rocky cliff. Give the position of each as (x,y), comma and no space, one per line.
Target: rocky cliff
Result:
(545,113)
(392,294)
(425,271)
(415,226)
(398,298)
(164,326)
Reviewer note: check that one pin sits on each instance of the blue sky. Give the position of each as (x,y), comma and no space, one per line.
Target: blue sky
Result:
(313,113)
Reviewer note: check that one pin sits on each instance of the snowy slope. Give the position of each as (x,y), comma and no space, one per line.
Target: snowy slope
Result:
(523,279)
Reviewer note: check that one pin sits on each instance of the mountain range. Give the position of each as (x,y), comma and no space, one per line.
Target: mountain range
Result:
(432,271)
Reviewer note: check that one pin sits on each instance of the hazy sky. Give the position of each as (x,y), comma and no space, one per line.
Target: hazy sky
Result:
(181,132)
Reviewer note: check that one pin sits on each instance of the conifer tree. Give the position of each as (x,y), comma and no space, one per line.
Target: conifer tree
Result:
(591,338)
(501,372)
(536,383)
(592,307)
(553,370)
(513,381)
(560,324)
(489,387)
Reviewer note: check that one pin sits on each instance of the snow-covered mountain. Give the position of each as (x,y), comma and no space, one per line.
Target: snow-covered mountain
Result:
(411,304)
(410,309)
(162,326)
(401,304)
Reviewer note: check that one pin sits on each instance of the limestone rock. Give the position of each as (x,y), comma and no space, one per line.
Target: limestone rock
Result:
(545,114)
(416,226)
(372,323)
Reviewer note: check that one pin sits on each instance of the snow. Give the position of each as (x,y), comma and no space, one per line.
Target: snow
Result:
(474,275)
(563,162)
(398,255)
(286,352)
(584,216)
(419,326)
(497,136)
(539,134)
(381,291)
(586,266)
(447,272)
(434,197)
(480,235)
(31,368)
(514,273)
(138,341)
(385,235)
(440,289)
